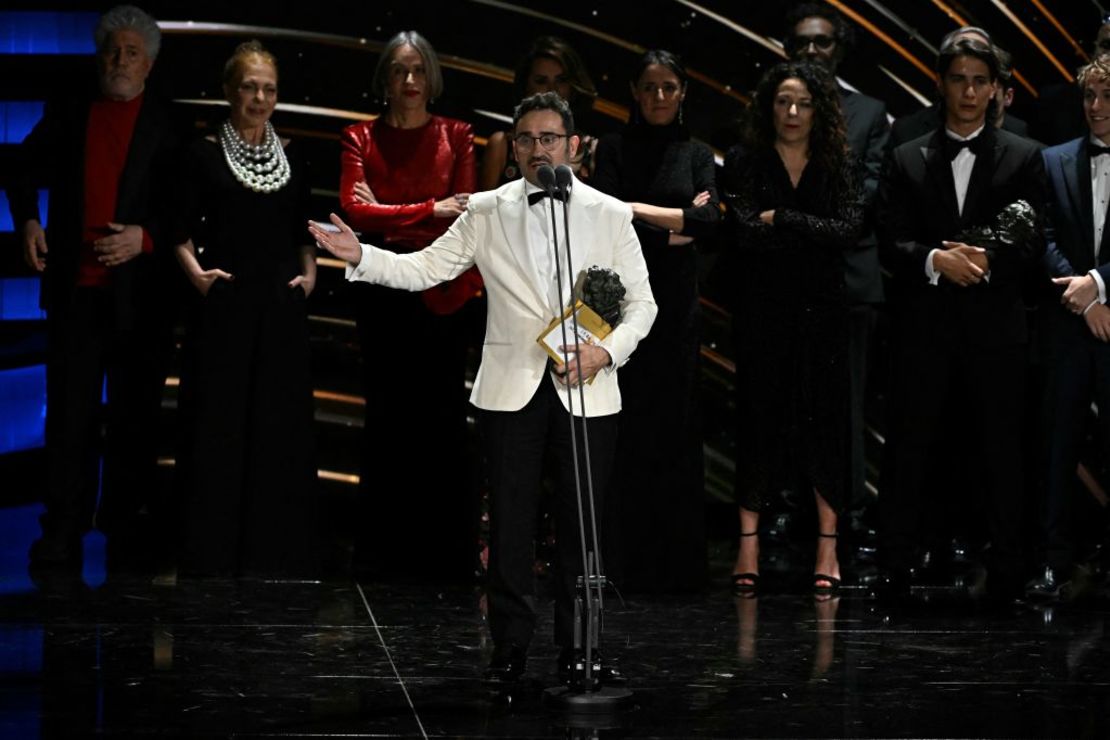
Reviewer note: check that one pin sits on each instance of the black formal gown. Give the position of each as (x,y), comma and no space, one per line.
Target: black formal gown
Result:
(249,479)
(656,525)
(790,325)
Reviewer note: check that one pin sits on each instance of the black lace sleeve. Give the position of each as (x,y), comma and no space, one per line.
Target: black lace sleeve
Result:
(841,231)
(739,182)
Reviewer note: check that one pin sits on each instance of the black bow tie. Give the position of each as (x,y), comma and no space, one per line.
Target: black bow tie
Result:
(1095,150)
(952,147)
(536,197)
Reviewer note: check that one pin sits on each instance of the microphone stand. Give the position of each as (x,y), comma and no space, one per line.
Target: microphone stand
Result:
(587,694)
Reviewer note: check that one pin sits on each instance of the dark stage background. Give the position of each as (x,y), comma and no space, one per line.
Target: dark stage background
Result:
(327,51)
(354,657)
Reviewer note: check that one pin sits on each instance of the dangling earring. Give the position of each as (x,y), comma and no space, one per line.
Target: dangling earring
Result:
(680,112)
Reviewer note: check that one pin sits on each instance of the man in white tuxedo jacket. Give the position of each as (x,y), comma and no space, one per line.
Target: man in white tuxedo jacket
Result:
(521,395)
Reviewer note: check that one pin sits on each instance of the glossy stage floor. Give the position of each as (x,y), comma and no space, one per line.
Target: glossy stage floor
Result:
(127,657)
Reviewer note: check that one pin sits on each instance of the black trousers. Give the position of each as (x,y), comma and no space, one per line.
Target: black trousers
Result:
(1078,372)
(988,384)
(514,445)
(84,348)
(249,487)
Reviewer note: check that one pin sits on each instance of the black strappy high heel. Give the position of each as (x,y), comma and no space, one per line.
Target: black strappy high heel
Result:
(831,585)
(745,584)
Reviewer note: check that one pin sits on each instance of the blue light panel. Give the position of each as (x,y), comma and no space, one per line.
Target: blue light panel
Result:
(6,225)
(22,408)
(17,118)
(47,33)
(20,654)
(19,299)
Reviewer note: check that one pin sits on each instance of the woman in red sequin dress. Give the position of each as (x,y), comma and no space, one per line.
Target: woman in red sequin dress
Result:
(405,177)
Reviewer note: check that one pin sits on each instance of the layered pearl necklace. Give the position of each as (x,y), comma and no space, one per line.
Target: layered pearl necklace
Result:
(262,168)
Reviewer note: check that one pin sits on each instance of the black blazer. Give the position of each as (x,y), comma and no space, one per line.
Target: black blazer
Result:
(53,156)
(917,210)
(868,130)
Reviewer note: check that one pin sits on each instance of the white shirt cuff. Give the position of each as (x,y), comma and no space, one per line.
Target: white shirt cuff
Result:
(930,271)
(1101,285)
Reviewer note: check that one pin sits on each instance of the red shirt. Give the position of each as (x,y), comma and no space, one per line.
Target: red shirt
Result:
(107,141)
(408,170)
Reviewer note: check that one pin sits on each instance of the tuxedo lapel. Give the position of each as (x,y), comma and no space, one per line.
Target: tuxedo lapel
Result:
(980,182)
(938,169)
(584,207)
(1076,169)
(512,211)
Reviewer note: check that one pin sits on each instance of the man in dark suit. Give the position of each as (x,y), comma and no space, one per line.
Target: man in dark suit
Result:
(104,158)
(816,32)
(961,327)
(1075,319)
(922,122)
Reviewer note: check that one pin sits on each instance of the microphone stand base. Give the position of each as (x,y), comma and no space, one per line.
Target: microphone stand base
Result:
(605,700)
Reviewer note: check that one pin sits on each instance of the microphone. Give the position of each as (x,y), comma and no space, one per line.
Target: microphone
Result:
(547,178)
(563,178)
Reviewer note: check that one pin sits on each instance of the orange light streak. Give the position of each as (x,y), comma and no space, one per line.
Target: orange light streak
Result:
(884,37)
(1036,41)
(964,22)
(960,20)
(1059,27)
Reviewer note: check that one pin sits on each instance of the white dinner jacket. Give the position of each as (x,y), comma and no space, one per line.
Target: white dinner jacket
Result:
(493,235)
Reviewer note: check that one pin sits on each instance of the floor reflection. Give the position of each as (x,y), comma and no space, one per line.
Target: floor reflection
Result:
(122,656)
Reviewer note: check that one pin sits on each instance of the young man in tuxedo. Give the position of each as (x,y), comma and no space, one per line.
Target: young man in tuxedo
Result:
(923,121)
(521,396)
(816,32)
(107,158)
(960,320)
(1075,320)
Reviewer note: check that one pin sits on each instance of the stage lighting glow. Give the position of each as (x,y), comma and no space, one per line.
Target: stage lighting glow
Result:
(47,33)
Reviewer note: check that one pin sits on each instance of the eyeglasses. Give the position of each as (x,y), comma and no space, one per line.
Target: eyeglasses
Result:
(547,140)
(821,41)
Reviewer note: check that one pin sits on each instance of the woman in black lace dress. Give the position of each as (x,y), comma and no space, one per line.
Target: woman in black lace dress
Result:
(656,523)
(794,208)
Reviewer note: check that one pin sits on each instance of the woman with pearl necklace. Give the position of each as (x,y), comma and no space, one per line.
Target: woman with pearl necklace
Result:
(246,467)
